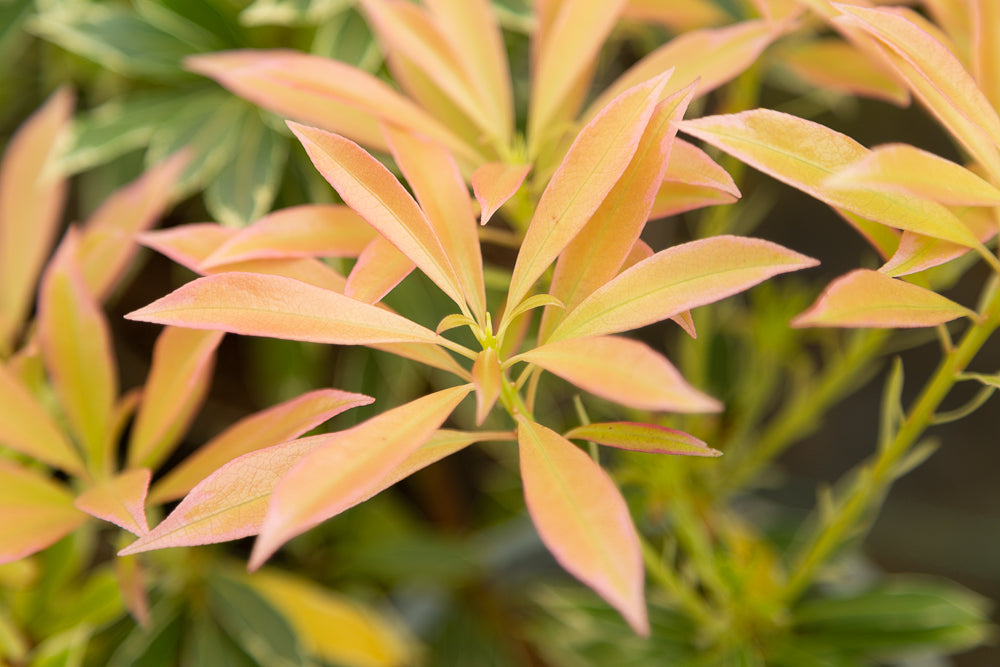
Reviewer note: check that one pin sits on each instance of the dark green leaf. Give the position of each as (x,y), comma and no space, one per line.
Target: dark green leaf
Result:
(156,646)
(206,645)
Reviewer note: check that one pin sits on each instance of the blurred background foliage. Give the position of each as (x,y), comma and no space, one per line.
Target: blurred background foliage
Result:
(446,569)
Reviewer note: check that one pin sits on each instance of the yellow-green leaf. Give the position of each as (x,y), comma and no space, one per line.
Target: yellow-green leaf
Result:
(643,438)
(36,512)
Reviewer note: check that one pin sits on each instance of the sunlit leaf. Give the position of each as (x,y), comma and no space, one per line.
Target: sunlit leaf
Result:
(678,15)
(621,370)
(278,307)
(188,245)
(918,253)
(693,180)
(36,512)
(494,183)
(678,279)
(274,425)
(487,378)
(582,519)
(643,438)
(864,298)
(343,471)
(986,48)
(835,64)
(31,201)
(120,500)
(380,267)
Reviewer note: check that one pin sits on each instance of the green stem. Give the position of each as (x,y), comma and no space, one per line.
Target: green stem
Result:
(667,578)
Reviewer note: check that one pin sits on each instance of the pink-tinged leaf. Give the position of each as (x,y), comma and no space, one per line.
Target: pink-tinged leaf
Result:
(487,378)
(188,245)
(597,252)
(31,202)
(311,230)
(678,279)
(75,341)
(640,251)
(592,166)
(371,190)
(324,93)
(678,15)
(120,500)
(883,239)
(707,58)
(643,438)
(431,355)
(905,168)
(380,267)
(864,298)
(693,180)
(494,183)
(804,155)
(131,578)
(919,253)
(36,512)
(577,27)
(183,360)
(621,370)
(834,64)
(107,239)
(266,428)
(583,519)
(986,48)
(345,470)
(26,427)
(311,271)
(778,11)
(255,304)
(936,76)
(686,322)
(444,198)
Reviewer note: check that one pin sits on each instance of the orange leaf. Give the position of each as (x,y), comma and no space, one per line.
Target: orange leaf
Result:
(986,47)
(833,64)
(678,15)
(621,370)
(188,245)
(643,438)
(864,298)
(380,267)
(678,279)
(582,519)
(693,180)
(487,378)
(31,202)
(494,183)
(919,253)
(265,428)
(344,470)
(120,500)
(36,512)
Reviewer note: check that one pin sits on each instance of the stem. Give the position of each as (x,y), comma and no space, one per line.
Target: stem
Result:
(876,479)
(668,580)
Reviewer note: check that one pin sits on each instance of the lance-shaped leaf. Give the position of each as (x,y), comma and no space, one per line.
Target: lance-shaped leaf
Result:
(31,201)
(276,424)
(905,168)
(582,519)
(274,306)
(678,279)
(26,427)
(441,191)
(380,267)
(985,21)
(311,230)
(643,438)
(706,58)
(76,345)
(864,298)
(621,370)
(183,360)
(120,500)
(693,180)
(936,76)
(494,183)
(678,15)
(804,155)
(918,253)
(371,190)
(592,166)
(487,378)
(36,512)
(835,64)
(107,240)
(344,471)
(324,93)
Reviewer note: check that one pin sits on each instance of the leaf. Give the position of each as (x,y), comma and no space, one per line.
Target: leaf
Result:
(592,166)
(678,15)
(643,438)
(183,360)
(31,202)
(75,342)
(343,471)
(936,76)
(26,427)
(36,512)
(678,279)
(371,190)
(621,370)
(487,379)
(278,307)
(864,298)
(915,252)
(120,500)
(380,267)
(804,155)
(837,65)
(494,183)
(986,48)
(582,519)
(264,428)
(188,245)
(693,180)
(309,230)
(907,169)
